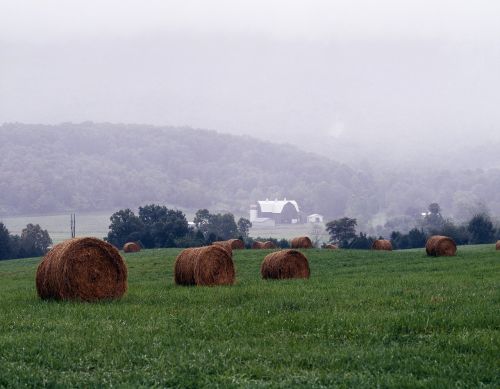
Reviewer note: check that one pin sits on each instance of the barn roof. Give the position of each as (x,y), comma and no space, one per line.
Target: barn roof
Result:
(276,206)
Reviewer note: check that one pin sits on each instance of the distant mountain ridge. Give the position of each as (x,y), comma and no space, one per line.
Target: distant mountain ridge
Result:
(96,166)
(102,166)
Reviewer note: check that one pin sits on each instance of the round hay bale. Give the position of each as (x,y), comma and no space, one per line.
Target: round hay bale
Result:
(131,247)
(285,264)
(87,269)
(268,245)
(302,242)
(497,246)
(209,265)
(184,267)
(382,244)
(225,244)
(237,244)
(257,245)
(331,247)
(440,246)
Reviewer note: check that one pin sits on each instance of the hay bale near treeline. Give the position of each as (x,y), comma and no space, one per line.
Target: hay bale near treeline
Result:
(267,245)
(131,247)
(440,246)
(209,265)
(237,244)
(382,244)
(331,246)
(231,244)
(497,246)
(285,264)
(86,269)
(302,242)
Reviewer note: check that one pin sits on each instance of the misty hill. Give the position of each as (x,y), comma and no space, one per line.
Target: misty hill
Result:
(90,166)
(104,166)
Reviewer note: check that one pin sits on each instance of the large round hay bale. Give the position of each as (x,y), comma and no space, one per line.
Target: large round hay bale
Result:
(285,264)
(209,265)
(87,269)
(131,247)
(302,242)
(331,247)
(440,246)
(382,244)
(497,246)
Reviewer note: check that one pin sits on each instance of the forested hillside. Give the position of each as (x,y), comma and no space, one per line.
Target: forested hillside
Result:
(90,166)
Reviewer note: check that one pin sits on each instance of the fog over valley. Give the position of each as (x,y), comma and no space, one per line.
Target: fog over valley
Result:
(354,109)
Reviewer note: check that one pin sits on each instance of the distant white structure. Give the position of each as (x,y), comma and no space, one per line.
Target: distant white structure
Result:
(315,218)
(278,211)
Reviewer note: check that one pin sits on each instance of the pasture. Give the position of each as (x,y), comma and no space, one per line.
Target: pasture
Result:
(364,319)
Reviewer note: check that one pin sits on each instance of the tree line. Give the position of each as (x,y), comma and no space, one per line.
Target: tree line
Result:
(158,226)
(478,230)
(33,242)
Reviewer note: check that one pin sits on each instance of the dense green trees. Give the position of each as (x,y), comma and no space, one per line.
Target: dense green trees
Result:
(33,242)
(5,245)
(156,226)
(244,226)
(481,229)
(342,231)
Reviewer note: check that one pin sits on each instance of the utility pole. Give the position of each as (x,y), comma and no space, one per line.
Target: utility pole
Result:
(73,225)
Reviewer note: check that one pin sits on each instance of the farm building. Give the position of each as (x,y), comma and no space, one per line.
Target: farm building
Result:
(315,218)
(275,212)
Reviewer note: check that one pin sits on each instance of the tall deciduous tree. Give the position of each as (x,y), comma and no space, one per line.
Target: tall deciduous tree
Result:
(5,246)
(34,240)
(481,229)
(244,226)
(342,231)
(125,226)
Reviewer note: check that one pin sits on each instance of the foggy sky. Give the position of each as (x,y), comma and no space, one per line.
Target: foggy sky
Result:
(327,76)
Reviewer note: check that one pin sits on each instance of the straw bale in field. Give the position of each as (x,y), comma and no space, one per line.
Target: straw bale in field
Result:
(209,265)
(382,244)
(302,242)
(438,246)
(87,269)
(131,247)
(285,264)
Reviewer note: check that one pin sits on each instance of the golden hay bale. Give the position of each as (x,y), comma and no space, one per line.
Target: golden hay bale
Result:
(257,245)
(87,269)
(237,244)
(438,246)
(382,244)
(225,244)
(267,245)
(302,242)
(331,246)
(131,247)
(209,265)
(497,246)
(285,264)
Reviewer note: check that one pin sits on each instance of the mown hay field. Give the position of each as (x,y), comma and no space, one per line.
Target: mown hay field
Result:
(363,319)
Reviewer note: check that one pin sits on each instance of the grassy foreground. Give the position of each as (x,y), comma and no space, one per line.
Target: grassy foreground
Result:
(363,319)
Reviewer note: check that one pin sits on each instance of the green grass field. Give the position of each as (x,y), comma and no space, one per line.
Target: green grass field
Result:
(363,319)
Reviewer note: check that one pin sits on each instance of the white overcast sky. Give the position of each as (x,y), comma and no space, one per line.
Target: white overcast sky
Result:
(313,73)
